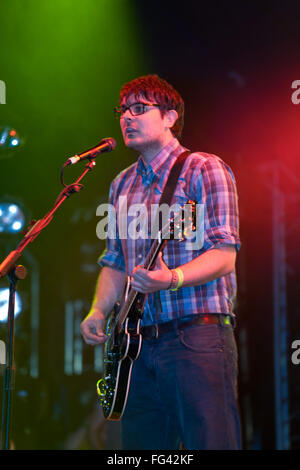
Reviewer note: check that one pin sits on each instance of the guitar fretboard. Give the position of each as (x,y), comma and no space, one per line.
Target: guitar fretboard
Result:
(132,294)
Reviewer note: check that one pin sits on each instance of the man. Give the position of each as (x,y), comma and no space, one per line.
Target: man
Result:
(183,385)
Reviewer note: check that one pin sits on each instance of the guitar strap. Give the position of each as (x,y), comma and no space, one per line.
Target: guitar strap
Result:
(166,198)
(171,183)
(172,180)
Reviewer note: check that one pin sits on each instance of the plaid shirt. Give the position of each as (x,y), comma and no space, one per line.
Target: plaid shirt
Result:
(205,179)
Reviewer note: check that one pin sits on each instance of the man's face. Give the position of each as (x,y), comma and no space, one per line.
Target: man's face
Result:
(144,131)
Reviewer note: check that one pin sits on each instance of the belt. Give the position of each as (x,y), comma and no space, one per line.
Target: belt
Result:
(153,331)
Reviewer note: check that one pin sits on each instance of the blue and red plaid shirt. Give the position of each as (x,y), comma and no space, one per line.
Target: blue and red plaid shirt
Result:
(205,179)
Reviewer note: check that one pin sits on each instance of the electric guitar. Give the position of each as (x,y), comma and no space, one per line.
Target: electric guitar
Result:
(123,329)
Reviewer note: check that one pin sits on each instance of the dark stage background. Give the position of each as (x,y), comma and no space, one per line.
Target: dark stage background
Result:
(63,63)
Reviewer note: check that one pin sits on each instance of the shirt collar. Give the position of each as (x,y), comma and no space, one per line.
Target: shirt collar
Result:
(158,161)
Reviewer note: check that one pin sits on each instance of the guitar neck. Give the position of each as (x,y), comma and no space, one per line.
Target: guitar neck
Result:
(155,248)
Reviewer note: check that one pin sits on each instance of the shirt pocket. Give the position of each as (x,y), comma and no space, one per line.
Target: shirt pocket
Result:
(180,194)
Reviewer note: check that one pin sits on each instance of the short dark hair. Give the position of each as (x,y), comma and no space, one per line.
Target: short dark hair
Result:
(152,87)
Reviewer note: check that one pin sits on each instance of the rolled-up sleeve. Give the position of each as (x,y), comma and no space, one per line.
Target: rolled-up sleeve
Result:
(112,256)
(218,191)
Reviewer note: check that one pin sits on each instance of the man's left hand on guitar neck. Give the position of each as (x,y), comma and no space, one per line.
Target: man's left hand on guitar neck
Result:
(145,281)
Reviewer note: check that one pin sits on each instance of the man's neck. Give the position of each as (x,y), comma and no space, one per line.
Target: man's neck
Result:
(149,153)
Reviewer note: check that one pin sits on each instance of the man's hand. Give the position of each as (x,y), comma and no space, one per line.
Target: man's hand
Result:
(145,281)
(92,327)
(108,291)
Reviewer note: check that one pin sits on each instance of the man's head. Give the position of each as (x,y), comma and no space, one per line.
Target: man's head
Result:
(159,114)
(155,89)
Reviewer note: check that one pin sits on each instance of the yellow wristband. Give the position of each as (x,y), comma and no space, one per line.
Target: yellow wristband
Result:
(180,279)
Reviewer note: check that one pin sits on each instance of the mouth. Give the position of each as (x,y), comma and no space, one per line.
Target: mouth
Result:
(130,130)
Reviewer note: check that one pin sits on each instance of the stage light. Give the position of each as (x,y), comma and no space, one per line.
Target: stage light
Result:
(16,226)
(9,138)
(13,208)
(4,297)
(12,218)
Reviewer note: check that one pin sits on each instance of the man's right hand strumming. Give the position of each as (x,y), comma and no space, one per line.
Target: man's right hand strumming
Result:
(108,291)
(92,328)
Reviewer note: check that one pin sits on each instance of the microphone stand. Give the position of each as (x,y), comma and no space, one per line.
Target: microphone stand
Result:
(8,267)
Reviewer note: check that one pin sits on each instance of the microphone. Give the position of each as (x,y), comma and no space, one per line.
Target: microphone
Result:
(106,145)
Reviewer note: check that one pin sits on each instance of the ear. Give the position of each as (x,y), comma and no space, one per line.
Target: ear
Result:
(171,117)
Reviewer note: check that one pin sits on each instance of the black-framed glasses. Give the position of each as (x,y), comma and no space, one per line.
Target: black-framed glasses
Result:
(135,109)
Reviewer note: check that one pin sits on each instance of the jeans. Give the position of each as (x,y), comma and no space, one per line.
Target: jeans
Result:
(183,392)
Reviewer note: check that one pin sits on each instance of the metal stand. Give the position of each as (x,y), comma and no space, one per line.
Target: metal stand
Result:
(8,267)
(18,273)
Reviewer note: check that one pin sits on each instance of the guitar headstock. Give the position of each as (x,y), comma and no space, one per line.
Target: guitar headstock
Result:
(182,224)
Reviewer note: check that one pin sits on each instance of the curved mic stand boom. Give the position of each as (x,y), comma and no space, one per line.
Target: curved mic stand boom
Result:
(8,267)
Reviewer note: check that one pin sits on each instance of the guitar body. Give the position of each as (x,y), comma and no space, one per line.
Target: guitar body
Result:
(120,351)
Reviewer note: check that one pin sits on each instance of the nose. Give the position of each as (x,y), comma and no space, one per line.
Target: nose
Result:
(126,115)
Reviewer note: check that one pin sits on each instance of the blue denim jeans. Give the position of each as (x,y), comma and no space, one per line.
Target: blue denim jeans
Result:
(184,392)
